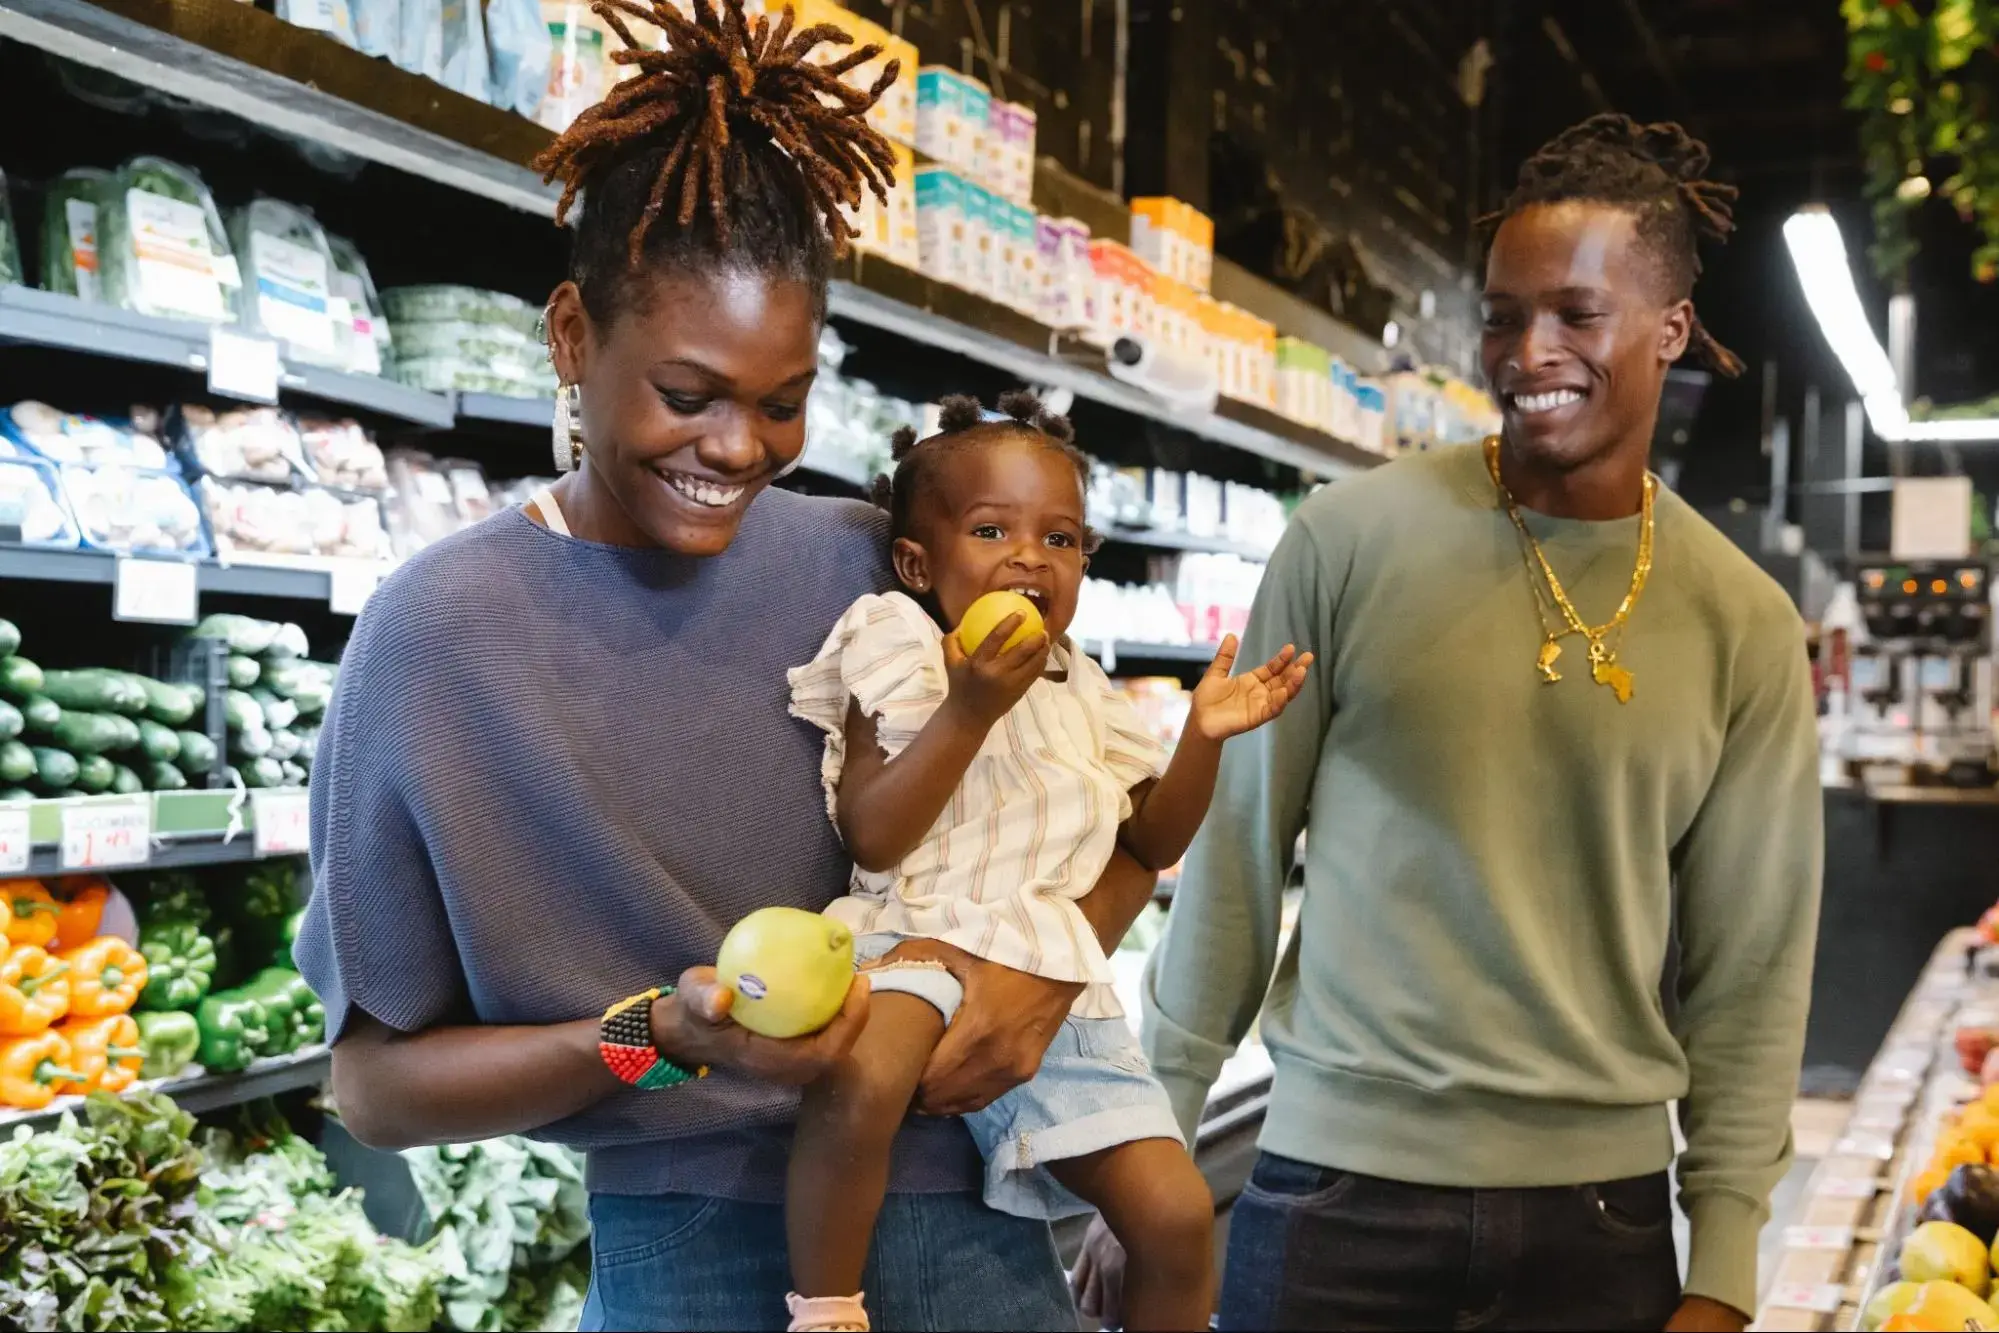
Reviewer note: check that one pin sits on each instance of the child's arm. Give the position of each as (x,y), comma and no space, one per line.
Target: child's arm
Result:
(885,806)
(1167,813)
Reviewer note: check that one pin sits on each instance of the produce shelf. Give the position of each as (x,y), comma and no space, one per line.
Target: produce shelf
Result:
(51,319)
(305,579)
(248,63)
(204,1092)
(1120,649)
(189,828)
(1185,541)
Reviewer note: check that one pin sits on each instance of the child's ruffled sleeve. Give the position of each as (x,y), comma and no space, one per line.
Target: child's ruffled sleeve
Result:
(1131,752)
(886,654)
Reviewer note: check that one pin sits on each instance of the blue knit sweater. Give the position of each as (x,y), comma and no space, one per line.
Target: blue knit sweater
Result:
(555,773)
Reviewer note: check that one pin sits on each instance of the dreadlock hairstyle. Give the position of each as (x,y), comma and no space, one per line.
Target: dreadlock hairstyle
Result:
(730,145)
(1655,172)
(962,425)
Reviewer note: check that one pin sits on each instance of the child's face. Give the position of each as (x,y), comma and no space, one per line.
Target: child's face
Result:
(1005,517)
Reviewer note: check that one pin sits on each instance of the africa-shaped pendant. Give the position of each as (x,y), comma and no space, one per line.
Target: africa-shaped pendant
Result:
(1550,651)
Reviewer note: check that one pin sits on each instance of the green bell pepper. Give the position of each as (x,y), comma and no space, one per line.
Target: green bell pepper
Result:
(170,1039)
(174,894)
(180,963)
(235,1029)
(289,937)
(294,1012)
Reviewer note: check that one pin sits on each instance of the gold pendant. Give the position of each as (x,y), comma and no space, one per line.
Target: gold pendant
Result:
(1615,677)
(1546,662)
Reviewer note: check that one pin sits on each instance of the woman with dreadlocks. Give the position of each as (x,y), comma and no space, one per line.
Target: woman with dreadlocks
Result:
(1569,724)
(559,766)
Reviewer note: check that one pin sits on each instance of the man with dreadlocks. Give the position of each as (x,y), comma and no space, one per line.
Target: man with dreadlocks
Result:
(558,766)
(1559,719)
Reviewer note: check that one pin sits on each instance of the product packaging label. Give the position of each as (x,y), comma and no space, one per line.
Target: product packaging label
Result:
(173,263)
(292,293)
(81,215)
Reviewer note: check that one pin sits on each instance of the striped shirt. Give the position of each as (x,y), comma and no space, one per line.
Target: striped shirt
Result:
(1030,828)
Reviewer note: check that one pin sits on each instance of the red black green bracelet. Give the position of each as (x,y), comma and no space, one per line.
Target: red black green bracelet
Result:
(624,1041)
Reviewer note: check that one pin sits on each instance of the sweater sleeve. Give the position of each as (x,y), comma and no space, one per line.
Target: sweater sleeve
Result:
(1748,885)
(1206,979)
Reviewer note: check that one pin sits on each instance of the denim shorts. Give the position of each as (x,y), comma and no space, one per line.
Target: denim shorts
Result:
(1094,1091)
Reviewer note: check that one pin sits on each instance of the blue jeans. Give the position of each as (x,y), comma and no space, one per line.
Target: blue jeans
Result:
(940,1261)
(1311,1247)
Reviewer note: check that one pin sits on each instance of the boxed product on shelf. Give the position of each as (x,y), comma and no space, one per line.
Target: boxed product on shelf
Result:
(287,293)
(1020,271)
(943,226)
(69,232)
(1305,383)
(1176,238)
(1010,151)
(30,499)
(240,444)
(342,455)
(894,113)
(1373,418)
(250,518)
(1063,245)
(125,509)
(953,113)
(361,328)
(891,229)
(1346,400)
(1109,612)
(578,71)
(982,219)
(1119,300)
(10,241)
(161,246)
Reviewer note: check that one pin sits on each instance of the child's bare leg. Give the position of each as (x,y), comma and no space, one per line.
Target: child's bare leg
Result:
(1156,1202)
(839,1156)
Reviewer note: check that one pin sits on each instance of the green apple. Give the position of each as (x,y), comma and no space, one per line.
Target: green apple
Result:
(1946,1252)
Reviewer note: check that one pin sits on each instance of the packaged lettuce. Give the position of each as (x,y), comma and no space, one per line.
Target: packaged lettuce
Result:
(517,36)
(10,245)
(162,246)
(467,68)
(331,17)
(287,293)
(365,341)
(439,301)
(377,26)
(69,232)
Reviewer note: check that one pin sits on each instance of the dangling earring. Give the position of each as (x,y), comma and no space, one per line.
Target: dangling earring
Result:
(568,434)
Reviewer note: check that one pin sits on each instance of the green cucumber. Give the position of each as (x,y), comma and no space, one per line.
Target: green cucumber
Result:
(86,733)
(11,721)
(39,715)
(162,776)
(17,762)
(12,795)
(125,732)
(241,712)
(278,713)
(295,775)
(89,691)
(19,678)
(261,773)
(10,639)
(252,744)
(168,704)
(285,745)
(243,634)
(125,782)
(244,672)
(94,773)
(54,769)
(158,742)
(197,753)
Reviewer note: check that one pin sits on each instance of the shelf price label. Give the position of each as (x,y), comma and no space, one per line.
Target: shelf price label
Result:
(102,835)
(1818,1297)
(240,366)
(15,843)
(159,592)
(1850,1187)
(1818,1238)
(351,584)
(283,822)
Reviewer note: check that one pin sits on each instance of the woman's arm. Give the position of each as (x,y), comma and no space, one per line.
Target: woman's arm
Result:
(457,1084)
(885,806)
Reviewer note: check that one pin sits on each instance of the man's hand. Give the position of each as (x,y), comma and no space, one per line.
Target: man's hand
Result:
(999,1036)
(1698,1314)
(692,1027)
(1098,1282)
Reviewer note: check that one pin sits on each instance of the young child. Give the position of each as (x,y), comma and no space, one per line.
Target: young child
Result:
(980,796)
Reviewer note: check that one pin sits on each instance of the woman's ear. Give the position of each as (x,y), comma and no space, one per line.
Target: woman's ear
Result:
(912,565)
(568,325)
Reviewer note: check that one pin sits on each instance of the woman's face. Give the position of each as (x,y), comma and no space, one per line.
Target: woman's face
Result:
(693,400)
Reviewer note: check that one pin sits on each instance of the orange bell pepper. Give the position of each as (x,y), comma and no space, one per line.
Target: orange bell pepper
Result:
(106,976)
(30,1067)
(104,1052)
(78,915)
(27,912)
(34,992)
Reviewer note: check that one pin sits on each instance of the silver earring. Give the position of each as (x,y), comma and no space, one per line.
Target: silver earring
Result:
(568,434)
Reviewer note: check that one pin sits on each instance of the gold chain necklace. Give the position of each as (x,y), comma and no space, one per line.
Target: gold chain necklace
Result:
(1602,649)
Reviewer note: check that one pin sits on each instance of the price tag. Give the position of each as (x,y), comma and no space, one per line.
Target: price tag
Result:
(1818,1238)
(1899,1096)
(1879,1120)
(1864,1145)
(1818,1297)
(1850,1187)
(160,592)
(240,366)
(101,835)
(15,846)
(283,822)
(353,584)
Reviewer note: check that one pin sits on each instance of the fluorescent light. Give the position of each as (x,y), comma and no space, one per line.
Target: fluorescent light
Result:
(1819,252)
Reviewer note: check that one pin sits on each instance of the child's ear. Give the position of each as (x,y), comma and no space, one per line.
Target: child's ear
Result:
(912,565)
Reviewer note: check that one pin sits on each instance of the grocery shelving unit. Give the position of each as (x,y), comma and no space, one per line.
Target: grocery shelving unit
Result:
(188,828)
(203,1092)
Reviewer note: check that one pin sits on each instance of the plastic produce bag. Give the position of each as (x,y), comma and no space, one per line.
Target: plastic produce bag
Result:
(247,518)
(521,50)
(29,501)
(365,342)
(331,17)
(63,437)
(254,444)
(69,232)
(10,242)
(466,67)
(342,455)
(161,245)
(288,289)
(420,38)
(377,26)
(127,509)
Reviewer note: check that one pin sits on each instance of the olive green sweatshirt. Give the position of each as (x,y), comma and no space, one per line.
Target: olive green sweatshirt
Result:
(1494,864)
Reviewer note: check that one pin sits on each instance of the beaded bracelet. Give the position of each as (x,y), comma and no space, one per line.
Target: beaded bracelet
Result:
(624,1041)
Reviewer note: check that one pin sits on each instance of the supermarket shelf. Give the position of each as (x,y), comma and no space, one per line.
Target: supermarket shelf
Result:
(1122,650)
(1185,541)
(205,1092)
(189,828)
(306,579)
(51,319)
(538,413)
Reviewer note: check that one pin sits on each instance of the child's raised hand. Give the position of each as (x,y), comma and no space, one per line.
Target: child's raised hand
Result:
(988,683)
(1226,705)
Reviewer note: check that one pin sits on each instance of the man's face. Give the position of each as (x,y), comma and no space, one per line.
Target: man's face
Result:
(1579,332)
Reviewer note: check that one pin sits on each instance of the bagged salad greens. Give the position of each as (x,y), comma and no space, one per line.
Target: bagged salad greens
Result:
(69,232)
(517,36)
(365,341)
(466,68)
(162,246)
(331,17)
(287,292)
(377,26)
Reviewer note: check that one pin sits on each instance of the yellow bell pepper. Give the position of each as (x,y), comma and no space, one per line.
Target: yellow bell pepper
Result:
(34,992)
(105,977)
(30,1067)
(78,914)
(27,912)
(104,1052)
